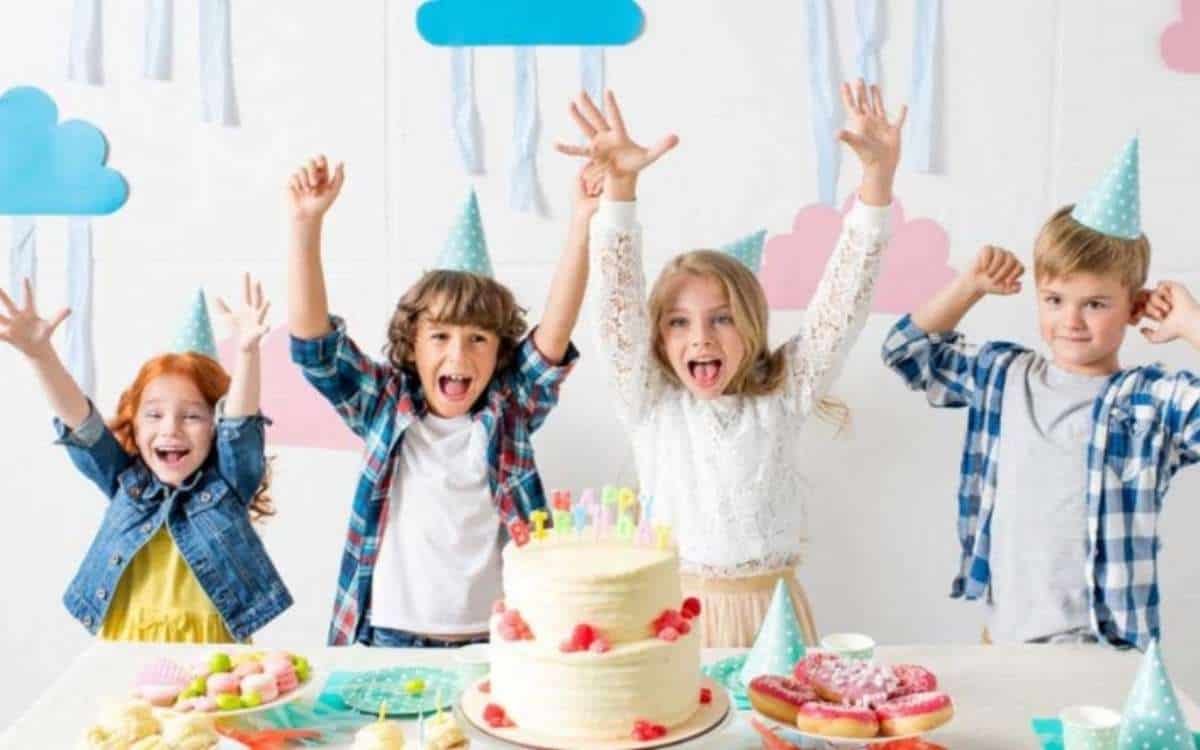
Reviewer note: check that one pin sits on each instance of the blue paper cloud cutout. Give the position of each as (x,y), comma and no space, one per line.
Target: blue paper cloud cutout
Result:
(471,23)
(47,168)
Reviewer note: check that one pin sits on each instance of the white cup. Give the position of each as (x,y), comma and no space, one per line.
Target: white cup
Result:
(472,662)
(1090,728)
(849,645)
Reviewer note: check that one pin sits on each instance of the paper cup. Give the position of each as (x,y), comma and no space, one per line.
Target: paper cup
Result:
(472,663)
(1090,728)
(849,645)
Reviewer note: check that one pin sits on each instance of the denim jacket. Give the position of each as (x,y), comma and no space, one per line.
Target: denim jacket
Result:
(207,516)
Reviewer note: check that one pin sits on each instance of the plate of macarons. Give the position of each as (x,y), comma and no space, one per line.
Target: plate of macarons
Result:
(224,683)
(851,702)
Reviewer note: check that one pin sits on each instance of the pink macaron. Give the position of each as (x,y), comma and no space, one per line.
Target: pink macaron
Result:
(263,684)
(284,673)
(222,683)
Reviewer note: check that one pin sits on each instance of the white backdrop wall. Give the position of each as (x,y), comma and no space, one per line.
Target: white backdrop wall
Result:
(1037,96)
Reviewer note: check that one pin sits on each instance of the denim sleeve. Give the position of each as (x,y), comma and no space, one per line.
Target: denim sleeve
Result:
(94,451)
(241,451)
(536,380)
(346,377)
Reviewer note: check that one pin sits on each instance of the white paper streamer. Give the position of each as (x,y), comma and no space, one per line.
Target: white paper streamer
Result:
(824,102)
(22,257)
(870,36)
(81,354)
(159,51)
(216,63)
(918,148)
(524,193)
(85,61)
(464,113)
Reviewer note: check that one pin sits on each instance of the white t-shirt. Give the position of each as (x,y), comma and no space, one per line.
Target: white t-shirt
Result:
(438,571)
(1039,524)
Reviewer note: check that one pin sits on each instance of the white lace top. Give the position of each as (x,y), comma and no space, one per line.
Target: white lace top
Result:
(726,473)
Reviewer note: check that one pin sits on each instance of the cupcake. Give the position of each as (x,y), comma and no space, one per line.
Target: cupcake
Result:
(381,735)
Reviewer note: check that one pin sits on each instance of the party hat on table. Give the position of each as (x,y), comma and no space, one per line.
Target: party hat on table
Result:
(196,333)
(1153,717)
(779,643)
(749,250)
(466,247)
(1113,207)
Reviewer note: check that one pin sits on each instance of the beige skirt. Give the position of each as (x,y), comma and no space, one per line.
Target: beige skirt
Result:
(732,609)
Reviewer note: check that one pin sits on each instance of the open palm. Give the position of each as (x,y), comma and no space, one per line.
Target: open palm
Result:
(248,321)
(873,138)
(609,145)
(23,328)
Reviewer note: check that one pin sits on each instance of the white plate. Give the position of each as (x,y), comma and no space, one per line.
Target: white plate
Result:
(843,742)
(295,695)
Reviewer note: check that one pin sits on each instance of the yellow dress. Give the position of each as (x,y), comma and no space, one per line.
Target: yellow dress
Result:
(159,599)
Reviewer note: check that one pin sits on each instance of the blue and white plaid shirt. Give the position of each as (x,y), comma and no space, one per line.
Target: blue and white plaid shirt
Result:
(1146,426)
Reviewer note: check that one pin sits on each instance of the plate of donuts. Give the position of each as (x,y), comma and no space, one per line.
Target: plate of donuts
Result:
(852,703)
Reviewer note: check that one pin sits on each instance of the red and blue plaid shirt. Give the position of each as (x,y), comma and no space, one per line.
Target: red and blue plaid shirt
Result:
(378,402)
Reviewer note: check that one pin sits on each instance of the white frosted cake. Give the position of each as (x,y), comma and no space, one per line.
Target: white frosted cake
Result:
(593,640)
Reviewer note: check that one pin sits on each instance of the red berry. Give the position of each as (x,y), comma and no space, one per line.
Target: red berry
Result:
(676,619)
(691,607)
(498,607)
(684,628)
(485,687)
(670,635)
(583,635)
(495,717)
(705,695)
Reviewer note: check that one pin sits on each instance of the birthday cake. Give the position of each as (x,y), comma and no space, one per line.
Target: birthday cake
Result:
(593,640)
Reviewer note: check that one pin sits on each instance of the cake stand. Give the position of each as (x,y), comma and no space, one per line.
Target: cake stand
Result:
(710,719)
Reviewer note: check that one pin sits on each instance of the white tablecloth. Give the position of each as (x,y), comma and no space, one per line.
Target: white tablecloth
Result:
(996,689)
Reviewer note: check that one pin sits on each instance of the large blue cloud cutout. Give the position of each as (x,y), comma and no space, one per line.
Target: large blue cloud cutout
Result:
(471,23)
(47,168)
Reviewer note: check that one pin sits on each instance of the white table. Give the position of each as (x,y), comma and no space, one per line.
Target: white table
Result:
(996,689)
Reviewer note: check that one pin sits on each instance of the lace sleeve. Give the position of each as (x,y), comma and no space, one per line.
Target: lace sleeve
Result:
(622,320)
(838,310)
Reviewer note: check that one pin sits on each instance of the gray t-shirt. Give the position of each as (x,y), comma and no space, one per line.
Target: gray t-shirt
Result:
(1039,522)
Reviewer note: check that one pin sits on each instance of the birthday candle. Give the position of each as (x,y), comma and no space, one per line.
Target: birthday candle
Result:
(625,526)
(562,523)
(663,532)
(608,502)
(645,530)
(539,523)
(580,512)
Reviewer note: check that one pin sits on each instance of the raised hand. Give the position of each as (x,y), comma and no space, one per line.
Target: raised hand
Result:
(313,188)
(248,321)
(995,271)
(1175,310)
(610,146)
(23,328)
(872,137)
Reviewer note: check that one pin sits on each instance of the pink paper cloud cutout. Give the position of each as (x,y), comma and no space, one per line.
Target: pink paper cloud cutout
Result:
(914,265)
(299,414)
(1180,42)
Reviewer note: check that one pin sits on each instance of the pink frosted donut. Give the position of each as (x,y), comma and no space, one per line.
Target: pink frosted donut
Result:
(913,679)
(779,697)
(913,714)
(812,663)
(833,720)
(223,682)
(853,683)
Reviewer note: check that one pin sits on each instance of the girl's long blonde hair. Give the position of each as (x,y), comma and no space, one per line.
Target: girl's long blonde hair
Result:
(762,370)
(210,379)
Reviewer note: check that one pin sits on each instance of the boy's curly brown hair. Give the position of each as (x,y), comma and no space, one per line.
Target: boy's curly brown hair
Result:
(456,298)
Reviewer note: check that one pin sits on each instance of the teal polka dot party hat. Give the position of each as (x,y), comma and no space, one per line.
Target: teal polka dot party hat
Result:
(749,250)
(779,643)
(1113,207)
(196,333)
(466,247)
(1153,718)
